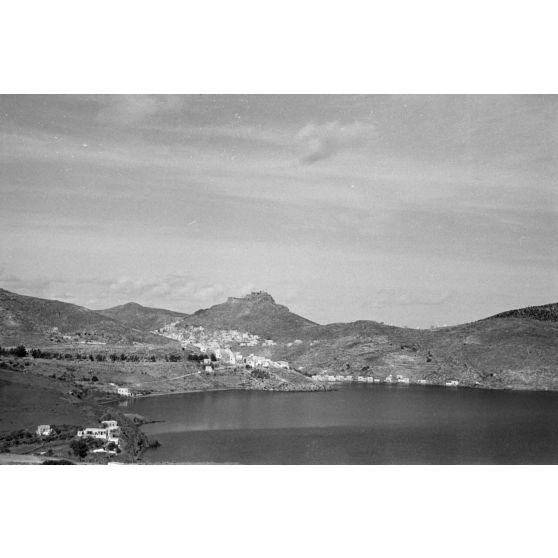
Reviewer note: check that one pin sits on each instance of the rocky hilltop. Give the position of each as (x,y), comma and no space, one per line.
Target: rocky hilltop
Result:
(256,313)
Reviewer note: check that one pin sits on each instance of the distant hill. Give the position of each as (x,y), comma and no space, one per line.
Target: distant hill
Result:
(544,313)
(142,317)
(27,319)
(255,313)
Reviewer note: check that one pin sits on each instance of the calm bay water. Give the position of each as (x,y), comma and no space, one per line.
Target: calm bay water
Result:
(354,425)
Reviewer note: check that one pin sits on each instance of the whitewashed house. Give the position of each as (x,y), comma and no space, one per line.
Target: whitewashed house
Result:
(99,433)
(124,391)
(228,357)
(44,430)
(452,383)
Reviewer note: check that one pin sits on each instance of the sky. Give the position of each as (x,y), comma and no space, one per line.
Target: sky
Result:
(411,210)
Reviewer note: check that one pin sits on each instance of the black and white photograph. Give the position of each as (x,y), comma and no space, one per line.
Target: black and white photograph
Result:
(279,279)
(275,272)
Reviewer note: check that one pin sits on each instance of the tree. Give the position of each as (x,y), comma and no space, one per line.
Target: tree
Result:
(20,351)
(79,447)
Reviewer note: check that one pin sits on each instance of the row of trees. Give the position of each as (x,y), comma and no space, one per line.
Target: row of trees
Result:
(20,351)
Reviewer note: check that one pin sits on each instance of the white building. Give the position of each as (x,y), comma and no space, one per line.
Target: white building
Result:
(208,368)
(452,383)
(124,392)
(99,433)
(44,430)
(389,379)
(227,356)
(110,423)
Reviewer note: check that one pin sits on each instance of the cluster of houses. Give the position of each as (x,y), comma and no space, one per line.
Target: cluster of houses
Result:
(256,361)
(398,379)
(209,340)
(109,433)
(228,357)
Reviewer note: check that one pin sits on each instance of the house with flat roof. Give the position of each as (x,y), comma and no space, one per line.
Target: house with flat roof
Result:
(44,430)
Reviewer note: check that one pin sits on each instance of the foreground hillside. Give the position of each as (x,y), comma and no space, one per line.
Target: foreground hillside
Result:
(141,317)
(31,320)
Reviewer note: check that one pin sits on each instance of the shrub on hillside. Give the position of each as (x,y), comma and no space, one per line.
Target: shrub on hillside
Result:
(20,351)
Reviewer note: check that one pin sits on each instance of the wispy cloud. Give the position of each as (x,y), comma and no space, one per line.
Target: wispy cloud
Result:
(126,110)
(25,285)
(182,289)
(412,297)
(321,141)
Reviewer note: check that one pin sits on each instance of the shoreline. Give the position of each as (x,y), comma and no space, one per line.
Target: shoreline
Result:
(334,387)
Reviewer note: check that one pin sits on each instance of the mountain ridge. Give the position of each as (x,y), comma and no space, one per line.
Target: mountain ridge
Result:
(137,316)
(31,319)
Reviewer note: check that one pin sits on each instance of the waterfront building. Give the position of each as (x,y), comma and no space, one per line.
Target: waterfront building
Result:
(124,391)
(452,383)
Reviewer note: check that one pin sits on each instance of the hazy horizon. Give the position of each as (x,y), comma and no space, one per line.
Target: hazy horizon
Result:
(412,210)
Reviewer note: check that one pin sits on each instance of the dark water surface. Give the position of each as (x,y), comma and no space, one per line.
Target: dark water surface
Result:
(357,424)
